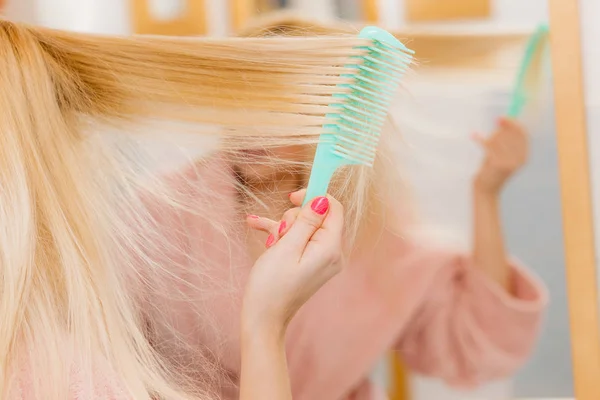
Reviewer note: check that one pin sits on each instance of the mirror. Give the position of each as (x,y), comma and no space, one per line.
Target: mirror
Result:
(448,101)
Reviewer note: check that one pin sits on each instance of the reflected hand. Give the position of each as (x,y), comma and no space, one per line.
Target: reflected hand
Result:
(506,151)
(303,253)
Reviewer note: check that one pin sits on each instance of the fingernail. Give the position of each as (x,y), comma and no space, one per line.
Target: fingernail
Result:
(282,226)
(320,205)
(270,241)
(253,216)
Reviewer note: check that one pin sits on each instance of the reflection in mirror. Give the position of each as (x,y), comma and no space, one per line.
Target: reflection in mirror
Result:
(444,107)
(448,101)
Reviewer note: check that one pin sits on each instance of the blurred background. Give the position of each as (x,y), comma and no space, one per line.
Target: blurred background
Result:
(468,52)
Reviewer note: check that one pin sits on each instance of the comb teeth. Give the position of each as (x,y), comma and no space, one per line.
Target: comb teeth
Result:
(357,120)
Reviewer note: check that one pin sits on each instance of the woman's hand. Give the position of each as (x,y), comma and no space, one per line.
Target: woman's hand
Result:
(506,151)
(303,252)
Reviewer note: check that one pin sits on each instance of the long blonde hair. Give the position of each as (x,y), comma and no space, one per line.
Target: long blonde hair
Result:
(73,221)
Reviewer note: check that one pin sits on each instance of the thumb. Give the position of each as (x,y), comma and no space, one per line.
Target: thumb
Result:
(309,220)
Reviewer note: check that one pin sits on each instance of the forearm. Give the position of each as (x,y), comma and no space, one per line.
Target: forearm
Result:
(488,243)
(264,373)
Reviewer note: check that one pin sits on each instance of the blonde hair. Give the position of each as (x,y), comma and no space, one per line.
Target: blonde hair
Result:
(77,235)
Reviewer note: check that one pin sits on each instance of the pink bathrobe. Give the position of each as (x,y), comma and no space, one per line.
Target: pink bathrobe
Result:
(444,317)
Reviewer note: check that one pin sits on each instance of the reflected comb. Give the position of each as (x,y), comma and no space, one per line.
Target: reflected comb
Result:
(535,47)
(353,128)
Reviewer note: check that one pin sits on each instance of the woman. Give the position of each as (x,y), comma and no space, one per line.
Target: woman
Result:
(117,285)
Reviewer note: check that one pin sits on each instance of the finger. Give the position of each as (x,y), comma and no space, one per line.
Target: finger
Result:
(327,241)
(262,224)
(288,219)
(309,220)
(513,128)
(334,223)
(271,240)
(283,226)
(511,139)
(298,197)
(480,139)
(502,121)
(265,225)
(506,122)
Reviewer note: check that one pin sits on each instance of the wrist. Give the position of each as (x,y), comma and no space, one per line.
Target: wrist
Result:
(482,188)
(261,333)
(263,325)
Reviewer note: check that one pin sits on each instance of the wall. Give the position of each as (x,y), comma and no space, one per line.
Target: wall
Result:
(20,10)
(104,16)
(520,12)
(515,12)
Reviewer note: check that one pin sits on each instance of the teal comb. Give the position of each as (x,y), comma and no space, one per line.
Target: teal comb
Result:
(519,95)
(351,134)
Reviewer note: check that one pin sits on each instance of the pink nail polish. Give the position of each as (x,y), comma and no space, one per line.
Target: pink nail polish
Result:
(253,217)
(282,226)
(270,241)
(320,205)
